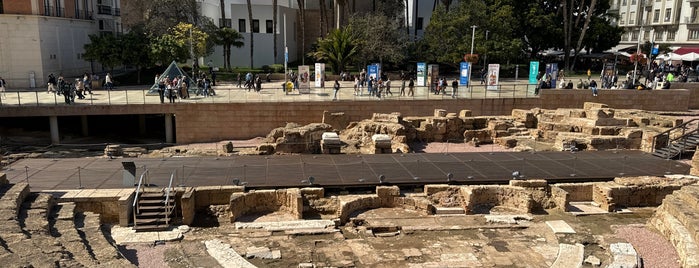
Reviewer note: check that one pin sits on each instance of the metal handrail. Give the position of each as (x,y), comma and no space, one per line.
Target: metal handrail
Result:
(144,177)
(683,126)
(168,209)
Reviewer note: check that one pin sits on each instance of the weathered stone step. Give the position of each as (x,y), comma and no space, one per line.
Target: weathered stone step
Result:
(679,236)
(686,215)
(689,195)
(13,197)
(105,253)
(64,229)
(34,213)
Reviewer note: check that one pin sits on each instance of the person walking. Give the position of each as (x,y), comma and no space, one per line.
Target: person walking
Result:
(161,90)
(402,86)
(593,86)
(108,81)
(336,87)
(388,87)
(3,87)
(51,84)
(454,87)
(411,88)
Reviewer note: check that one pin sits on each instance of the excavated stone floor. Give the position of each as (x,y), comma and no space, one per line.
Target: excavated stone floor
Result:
(395,237)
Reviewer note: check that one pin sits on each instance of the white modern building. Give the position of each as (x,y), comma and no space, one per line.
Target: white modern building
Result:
(47,36)
(672,22)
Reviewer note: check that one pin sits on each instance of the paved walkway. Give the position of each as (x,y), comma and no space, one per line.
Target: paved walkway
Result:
(271,92)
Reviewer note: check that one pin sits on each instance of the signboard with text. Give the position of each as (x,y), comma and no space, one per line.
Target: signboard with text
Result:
(304,79)
(533,72)
(464,73)
(421,74)
(493,77)
(320,75)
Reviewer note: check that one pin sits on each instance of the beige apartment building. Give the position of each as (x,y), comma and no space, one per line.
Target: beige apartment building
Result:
(47,36)
(673,22)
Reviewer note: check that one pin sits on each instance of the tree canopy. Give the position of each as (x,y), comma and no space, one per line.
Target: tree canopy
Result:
(338,48)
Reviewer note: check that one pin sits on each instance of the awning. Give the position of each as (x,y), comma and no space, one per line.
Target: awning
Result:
(685,50)
(619,47)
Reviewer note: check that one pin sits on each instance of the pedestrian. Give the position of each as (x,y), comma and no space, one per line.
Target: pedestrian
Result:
(240,80)
(258,84)
(79,88)
(108,81)
(454,88)
(388,87)
(3,85)
(51,84)
(161,89)
(589,74)
(593,86)
(402,85)
(213,77)
(336,87)
(356,85)
(411,87)
(370,85)
(87,83)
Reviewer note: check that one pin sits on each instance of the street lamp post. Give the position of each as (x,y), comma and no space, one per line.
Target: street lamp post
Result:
(473,37)
(638,50)
(485,54)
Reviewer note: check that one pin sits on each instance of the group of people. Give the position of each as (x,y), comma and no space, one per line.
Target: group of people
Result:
(78,89)
(177,87)
(252,82)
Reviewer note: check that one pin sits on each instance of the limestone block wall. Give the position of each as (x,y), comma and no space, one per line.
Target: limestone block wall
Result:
(577,192)
(384,197)
(560,197)
(494,195)
(612,196)
(206,196)
(287,200)
(188,205)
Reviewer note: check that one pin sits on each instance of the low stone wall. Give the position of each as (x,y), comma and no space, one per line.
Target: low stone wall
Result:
(115,206)
(631,192)
(494,195)
(288,200)
(560,197)
(577,192)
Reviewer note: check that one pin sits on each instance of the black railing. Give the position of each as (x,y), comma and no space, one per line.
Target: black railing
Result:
(664,139)
(53,11)
(117,12)
(104,10)
(83,15)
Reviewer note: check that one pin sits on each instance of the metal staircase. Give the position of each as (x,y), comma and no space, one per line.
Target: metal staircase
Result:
(686,138)
(153,210)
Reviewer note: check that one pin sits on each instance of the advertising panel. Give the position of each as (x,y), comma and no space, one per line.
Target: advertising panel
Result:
(320,75)
(493,77)
(421,74)
(432,75)
(463,73)
(304,79)
(372,71)
(533,72)
(552,71)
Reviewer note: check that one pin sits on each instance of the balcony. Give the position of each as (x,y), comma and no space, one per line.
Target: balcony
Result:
(104,10)
(53,11)
(83,15)
(691,20)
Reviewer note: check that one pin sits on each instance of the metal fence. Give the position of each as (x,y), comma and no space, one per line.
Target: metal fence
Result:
(232,94)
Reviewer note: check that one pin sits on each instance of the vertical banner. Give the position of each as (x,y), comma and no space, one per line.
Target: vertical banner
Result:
(533,72)
(463,77)
(432,74)
(421,74)
(320,75)
(552,73)
(493,76)
(304,79)
(372,71)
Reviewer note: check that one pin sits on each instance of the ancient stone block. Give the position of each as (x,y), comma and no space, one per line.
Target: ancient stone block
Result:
(499,125)
(313,192)
(465,113)
(338,120)
(483,135)
(387,118)
(387,191)
(529,183)
(506,142)
(591,105)
(597,113)
(440,113)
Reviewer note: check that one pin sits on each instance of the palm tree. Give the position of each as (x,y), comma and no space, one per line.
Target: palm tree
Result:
(228,37)
(274,27)
(338,48)
(302,9)
(251,37)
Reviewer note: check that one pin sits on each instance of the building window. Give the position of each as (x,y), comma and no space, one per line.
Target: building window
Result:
(659,36)
(633,2)
(646,35)
(418,24)
(101,25)
(622,18)
(623,3)
(693,35)
(634,36)
(270,26)
(241,26)
(224,23)
(668,12)
(670,36)
(255,26)
(656,15)
(632,17)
